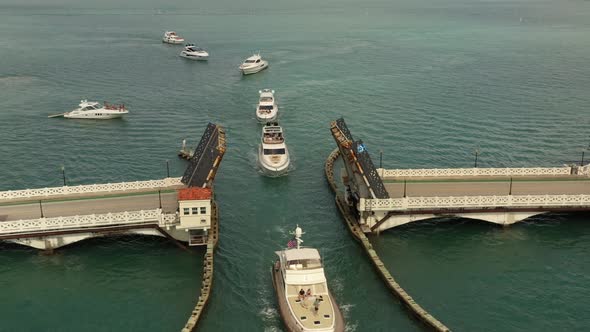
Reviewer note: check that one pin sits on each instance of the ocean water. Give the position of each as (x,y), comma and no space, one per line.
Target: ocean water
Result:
(425,82)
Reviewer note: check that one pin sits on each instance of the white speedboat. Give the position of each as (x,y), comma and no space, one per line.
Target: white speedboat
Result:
(305,302)
(191,51)
(273,155)
(171,37)
(93,110)
(267,109)
(253,65)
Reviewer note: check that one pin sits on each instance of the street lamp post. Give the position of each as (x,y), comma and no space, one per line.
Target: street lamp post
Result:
(160,198)
(380,158)
(405,188)
(167,168)
(510,190)
(41,208)
(476,154)
(582,163)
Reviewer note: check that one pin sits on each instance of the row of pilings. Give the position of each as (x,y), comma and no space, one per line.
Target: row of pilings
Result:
(207,283)
(358,234)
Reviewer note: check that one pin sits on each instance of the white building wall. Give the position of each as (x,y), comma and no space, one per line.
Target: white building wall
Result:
(194,214)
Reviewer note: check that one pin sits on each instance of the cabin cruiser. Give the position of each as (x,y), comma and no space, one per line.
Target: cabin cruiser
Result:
(93,110)
(273,155)
(267,109)
(305,302)
(253,64)
(191,51)
(171,37)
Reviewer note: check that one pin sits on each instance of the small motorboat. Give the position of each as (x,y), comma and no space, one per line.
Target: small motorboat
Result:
(273,155)
(171,37)
(95,111)
(191,51)
(253,64)
(267,109)
(305,303)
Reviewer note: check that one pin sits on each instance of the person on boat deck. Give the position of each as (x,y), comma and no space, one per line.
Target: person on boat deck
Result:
(301,294)
(316,304)
(308,293)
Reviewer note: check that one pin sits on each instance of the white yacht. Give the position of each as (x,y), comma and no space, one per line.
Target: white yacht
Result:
(253,64)
(171,37)
(267,109)
(191,51)
(305,302)
(93,110)
(273,155)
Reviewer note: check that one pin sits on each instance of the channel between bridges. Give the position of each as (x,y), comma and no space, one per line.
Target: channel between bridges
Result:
(386,198)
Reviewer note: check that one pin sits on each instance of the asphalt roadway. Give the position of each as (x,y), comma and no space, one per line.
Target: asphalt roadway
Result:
(486,188)
(84,206)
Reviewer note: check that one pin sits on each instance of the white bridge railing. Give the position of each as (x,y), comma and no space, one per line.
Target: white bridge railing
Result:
(476,171)
(87,221)
(89,189)
(417,203)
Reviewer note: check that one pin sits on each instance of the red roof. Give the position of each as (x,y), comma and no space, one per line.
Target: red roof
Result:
(194,193)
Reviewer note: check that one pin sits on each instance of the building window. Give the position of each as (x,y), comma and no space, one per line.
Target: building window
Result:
(195,210)
(186,211)
(203,210)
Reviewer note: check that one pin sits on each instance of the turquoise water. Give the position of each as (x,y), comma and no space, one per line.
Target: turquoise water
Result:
(426,82)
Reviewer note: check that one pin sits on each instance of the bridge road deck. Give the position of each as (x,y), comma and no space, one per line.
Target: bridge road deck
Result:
(145,200)
(476,186)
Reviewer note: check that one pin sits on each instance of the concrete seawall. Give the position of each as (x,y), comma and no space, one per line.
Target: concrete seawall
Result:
(207,283)
(356,231)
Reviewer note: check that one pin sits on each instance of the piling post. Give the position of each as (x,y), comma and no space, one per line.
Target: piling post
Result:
(63,174)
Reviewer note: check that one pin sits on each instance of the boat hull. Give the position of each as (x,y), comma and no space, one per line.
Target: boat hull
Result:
(290,322)
(94,116)
(172,41)
(194,57)
(253,69)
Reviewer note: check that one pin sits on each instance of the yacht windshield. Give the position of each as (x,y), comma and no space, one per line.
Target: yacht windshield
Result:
(89,108)
(249,61)
(304,264)
(274,151)
(265,107)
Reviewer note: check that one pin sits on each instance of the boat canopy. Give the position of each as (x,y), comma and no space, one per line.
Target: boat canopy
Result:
(303,253)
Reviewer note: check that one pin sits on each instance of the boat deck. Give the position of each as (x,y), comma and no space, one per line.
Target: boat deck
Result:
(306,309)
(310,319)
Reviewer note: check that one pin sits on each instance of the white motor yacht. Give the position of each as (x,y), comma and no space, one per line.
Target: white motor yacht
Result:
(93,110)
(267,109)
(171,37)
(305,302)
(273,155)
(253,64)
(193,52)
